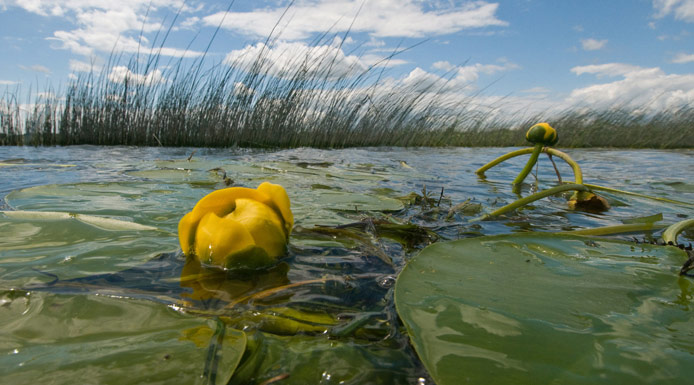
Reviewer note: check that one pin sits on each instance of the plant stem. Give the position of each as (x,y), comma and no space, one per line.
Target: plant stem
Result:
(670,234)
(528,166)
(532,198)
(617,229)
(578,174)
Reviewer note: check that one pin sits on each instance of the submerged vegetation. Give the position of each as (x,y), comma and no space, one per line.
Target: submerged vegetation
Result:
(313,101)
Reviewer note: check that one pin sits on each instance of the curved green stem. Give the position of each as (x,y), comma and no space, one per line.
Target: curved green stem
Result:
(502,158)
(617,229)
(578,174)
(532,198)
(528,166)
(670,234)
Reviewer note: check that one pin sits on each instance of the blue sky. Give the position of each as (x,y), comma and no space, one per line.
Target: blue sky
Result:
(530,54)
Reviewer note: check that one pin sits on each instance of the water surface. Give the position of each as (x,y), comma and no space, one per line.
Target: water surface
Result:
(85,298)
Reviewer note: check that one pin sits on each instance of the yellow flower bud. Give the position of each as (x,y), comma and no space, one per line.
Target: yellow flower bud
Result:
(542,133)
(238,227)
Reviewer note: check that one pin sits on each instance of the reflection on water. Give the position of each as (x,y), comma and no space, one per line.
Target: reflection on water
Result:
(325,313)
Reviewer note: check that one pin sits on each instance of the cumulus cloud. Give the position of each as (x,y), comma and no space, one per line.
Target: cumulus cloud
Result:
(443,66)
(285,58)
(638,87)
(683,58)
(375,17)
(105,25)
(119,74)
(593,44)
(459,78)
(609,69)
(680,9)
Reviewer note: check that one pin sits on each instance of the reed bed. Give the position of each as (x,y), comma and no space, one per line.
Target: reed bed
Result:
(312,102)
(616,128)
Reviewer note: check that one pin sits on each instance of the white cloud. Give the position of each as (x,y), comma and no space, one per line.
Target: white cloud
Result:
(419,80)
(376,43)
(680,9)
(36,68)
(443,66)
(82,66)
(119,74)
(7,82)
(609,69)
(460,79)
(593,44)
(381,61)
(285,59)
(683,58)
(472,72)
(639,88)
(105,26)
(376,17)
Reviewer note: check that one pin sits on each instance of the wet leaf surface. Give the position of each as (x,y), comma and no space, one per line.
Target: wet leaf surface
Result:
(542,308)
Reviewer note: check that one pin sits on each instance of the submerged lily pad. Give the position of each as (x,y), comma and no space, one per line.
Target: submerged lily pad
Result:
(101,222)
(54,244)
(324,207)
(543,308)
(179,176)
(61,339)
(148,203)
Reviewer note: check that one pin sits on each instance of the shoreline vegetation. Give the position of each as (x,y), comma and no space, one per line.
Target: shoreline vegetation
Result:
(313,101)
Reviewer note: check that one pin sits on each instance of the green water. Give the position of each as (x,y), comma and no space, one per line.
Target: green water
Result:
(88,300)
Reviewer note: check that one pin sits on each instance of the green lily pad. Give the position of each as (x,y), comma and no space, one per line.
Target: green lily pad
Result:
(179,176)
(61,339)
(147,203)
(329,208)
(101,222)
(543,308)
(73,245)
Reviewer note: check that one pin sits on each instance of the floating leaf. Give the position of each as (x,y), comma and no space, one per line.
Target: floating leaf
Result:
(543,308)
(147,203)
(321,207)
(61,339)
(101,222)
(55,244)
(179,176)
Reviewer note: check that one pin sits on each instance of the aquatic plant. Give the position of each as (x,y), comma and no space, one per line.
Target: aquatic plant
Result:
(542,136)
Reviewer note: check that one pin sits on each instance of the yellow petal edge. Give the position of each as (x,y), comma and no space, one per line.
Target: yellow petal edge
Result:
(238,227)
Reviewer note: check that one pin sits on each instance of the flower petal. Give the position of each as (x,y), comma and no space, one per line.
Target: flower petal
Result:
(264,225)
(217,239)
(278,195)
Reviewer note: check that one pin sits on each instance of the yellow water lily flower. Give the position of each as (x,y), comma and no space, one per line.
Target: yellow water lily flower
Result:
(238,227)
(542,133)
